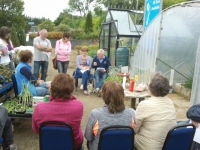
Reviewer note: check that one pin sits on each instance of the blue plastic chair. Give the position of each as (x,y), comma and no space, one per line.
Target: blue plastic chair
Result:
(6,86)
(116,138)
(1,142)
(56,136)
(179,137)
(15,85)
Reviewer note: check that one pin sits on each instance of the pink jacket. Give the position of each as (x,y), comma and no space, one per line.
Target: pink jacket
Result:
(65,110)
(63,50)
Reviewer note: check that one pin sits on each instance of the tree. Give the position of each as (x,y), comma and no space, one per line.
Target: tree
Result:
(11,13)
(47,24)
(14,37)
(81,6)
(88,23)
(63,28)
(22,37)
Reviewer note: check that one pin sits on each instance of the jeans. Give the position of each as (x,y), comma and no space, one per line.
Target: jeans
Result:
(100,78)
(42,89)
(62,66)
(44,65)
(84,77)
(5,128)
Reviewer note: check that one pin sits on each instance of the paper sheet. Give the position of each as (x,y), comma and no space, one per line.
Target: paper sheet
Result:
(4,59)
(100,69)
(197,134)
(82,71)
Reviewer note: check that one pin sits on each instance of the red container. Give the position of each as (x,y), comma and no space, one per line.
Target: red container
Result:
(131,87)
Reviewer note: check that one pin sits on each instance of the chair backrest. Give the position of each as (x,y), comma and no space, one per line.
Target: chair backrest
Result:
(179,137)
(15,85)
(116,138)
(56,136)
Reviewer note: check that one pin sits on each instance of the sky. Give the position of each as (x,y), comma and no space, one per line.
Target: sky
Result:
(44,8)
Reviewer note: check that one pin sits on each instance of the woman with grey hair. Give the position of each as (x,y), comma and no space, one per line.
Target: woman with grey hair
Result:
(155,116)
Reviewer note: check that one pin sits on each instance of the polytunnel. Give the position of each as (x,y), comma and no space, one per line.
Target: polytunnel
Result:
(170,45)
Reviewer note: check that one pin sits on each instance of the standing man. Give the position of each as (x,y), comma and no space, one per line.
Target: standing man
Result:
(42,52)
(101,64)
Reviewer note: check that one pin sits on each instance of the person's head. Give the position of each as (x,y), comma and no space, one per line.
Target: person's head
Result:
(84,50)
(159,85)
(5,33)
(43,34)
(25,56)
(113,96)
(62,86)
(100,53)
(66,36)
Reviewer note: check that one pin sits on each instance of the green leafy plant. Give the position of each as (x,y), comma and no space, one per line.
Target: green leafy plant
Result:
(188,82)
(25,97)
(113,74)
(6,73)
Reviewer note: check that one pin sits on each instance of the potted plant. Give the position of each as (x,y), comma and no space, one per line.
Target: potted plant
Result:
(25,97)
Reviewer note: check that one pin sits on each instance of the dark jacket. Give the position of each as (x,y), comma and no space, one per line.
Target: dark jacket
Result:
(193,113)
(104,64)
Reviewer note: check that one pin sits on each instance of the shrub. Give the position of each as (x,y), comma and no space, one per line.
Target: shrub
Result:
(78,34)
(22,37)
(14,37)
(51,35)
(92,50)
(63,28)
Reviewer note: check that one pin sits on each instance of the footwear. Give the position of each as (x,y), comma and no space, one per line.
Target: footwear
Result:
(96,91)
(81,87)
(11,147)
(85,92)
(99,94)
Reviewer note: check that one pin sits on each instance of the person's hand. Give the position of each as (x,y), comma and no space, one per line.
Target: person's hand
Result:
(103,71)
(195,123)
(39,81)
(95,64)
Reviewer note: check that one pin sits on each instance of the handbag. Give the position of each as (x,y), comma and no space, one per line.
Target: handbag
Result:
(54,63)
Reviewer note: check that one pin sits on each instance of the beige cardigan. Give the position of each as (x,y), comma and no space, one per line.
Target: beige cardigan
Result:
(154,118)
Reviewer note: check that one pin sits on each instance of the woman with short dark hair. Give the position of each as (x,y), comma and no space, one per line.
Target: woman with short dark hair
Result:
(155,116)
(24,75)
(62,107)
(113,113)
(6,46)
(63,50)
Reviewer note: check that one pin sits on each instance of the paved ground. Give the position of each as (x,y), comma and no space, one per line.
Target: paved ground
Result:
(26,139)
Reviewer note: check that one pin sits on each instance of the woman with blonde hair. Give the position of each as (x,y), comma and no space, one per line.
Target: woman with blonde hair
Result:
(113,113)
(62,107)
(24,75)
(83,66)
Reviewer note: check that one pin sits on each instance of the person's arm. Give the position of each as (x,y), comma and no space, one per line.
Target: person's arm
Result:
(63,51)
(78,62)
(140,113)
(107,64)
(90,62)
(35,127)
(94,60)
(57,48)
(28,74)
(89,128)
(40,47)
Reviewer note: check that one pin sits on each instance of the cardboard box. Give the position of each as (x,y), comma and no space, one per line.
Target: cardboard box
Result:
(36,100)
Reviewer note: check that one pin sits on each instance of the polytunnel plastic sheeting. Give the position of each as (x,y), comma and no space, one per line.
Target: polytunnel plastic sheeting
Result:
(142,63)
(177,45)
(195,95)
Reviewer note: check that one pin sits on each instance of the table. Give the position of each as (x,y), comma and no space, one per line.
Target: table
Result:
(134,95)
(20,116)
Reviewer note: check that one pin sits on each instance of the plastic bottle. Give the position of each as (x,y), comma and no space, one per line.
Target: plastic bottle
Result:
(124,81)
(131,87)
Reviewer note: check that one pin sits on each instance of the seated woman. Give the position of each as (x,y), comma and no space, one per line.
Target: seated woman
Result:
(113,113)
(62,107)
(155,116)
(24,76)
(83,65)
(6,130)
